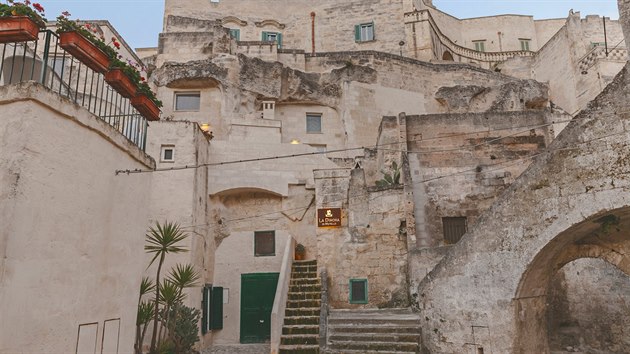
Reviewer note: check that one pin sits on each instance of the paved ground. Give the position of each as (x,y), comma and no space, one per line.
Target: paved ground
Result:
(239,349)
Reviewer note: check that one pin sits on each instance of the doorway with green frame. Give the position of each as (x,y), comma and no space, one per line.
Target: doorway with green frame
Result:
(257,294)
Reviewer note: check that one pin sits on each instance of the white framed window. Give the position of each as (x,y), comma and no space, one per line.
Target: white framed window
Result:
(167,153)
(272,37)
(313,122)
(525,44)
(480,45)
(188,101)
(364,32)
(235,33)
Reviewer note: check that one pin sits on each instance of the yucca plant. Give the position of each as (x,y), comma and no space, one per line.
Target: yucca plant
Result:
(145,314)
(162,240)
(390,178)
(146,286)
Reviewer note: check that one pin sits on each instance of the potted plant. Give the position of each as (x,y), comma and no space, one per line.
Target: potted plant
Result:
(123,77)
(83,43)
(20,21)
(300,252)
(145,101)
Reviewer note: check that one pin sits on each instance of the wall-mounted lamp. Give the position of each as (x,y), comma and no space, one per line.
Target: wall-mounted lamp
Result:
(295,142)
(205,127)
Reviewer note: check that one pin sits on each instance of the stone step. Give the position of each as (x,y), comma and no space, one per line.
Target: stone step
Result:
(371,313)
(375,346)
(374,337)
(299,349)
(373,322)
(305,282)
(305,262)
(311,295)
(304,269)
(349,351)
(309,275)
(312,303)
(311,311)
(354,328)
(305,288)
(300,329)
(299,339)
(301,320)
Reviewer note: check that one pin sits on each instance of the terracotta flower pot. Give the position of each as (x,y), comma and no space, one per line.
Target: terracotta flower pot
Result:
(117,79)
(84,50)
(146,107)
(17,29)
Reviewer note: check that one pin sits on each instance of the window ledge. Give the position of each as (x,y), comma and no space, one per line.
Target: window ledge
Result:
(369,41)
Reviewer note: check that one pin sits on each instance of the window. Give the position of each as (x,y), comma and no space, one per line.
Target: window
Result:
(364,32)
(358,291)
(313,123)
(273,37)
(454,229)
(525,44)
(187,101)
(235,33)
(167,153)
(264,243)
(480,46)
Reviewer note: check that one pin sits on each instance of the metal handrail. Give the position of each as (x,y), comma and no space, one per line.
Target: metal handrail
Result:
(44,61)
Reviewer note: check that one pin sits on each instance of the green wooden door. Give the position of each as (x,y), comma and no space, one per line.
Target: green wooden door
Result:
(257,293)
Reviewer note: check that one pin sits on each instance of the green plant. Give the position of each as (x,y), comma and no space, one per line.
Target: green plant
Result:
(145,312)
(89,32)
(390,178)
(300,249)
(34,11)
(144,88)
(162,240)
(184,330)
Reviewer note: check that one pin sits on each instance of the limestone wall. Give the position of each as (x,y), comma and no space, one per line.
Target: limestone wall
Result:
(71,238)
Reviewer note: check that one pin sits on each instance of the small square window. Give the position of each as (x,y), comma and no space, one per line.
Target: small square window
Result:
(167,153)
(364,32)
(480,46)
(454,229)
(235,33)
(525,44)
(187,101)
(358,291)
(313,123)
(273,37)
(264,243)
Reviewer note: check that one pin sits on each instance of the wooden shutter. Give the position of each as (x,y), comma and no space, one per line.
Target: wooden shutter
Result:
(373,32)
(264,36)
(217,308)
(454,228)
(357,33)
(279,40)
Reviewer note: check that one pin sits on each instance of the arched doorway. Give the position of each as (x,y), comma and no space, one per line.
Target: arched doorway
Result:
(447,56)
(605,237)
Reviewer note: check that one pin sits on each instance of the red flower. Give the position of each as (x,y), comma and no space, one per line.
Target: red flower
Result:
(117,45)
(38,7)
(142,78)
(65,14)
(88,26)
(27,2)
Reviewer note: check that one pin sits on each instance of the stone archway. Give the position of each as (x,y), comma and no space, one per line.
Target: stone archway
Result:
(604,236)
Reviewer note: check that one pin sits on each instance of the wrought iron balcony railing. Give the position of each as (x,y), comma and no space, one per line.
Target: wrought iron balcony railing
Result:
(44,61)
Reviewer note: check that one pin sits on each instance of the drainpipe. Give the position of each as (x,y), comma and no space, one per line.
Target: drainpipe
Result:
(313,32)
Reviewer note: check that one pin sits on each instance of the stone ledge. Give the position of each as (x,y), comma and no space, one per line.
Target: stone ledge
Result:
(33,91)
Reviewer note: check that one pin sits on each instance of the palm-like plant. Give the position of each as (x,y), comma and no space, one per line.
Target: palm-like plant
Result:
(146,286)
(184,276)
(162,240)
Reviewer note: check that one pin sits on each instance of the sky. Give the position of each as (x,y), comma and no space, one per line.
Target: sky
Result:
(140,21)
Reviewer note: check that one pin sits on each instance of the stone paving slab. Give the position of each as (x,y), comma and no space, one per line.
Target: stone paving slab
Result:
(264,348)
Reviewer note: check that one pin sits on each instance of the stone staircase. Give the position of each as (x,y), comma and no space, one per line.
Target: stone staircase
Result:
(300,333)
(373,331)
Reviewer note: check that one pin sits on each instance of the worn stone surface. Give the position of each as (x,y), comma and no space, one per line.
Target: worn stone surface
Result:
(504,265)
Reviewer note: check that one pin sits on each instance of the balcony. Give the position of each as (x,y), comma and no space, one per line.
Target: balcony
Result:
(45,62)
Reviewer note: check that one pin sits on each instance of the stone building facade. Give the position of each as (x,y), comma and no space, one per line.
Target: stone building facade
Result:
(274,110)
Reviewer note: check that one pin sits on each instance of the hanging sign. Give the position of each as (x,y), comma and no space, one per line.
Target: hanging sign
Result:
(329,217)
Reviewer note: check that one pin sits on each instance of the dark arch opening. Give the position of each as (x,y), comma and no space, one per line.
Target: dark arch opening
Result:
(447,56)
(605,236)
